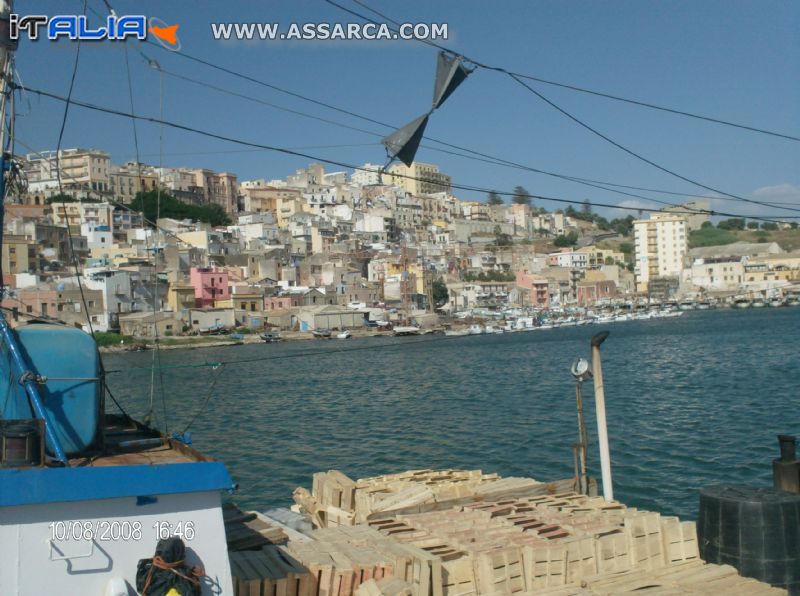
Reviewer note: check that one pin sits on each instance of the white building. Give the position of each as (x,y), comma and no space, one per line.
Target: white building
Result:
(569,260)
(368,174)
(97,236)
(661,243)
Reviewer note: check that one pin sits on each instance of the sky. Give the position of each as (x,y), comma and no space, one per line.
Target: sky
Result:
(729,59)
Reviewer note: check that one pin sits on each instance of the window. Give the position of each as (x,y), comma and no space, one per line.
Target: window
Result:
(28,308)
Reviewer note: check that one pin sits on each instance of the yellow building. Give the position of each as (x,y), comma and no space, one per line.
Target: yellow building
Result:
(19,254)
(180,297)
(418,178)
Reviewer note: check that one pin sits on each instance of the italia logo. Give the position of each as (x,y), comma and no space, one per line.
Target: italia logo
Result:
(116,28)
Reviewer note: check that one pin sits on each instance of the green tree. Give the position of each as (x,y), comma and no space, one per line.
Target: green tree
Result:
(586,207)
(494,198)
(564,240)
(152,206)
(769,225)
(752,225)
(521,196)
(626,248)
(623,226)
(65,198)
(706,224)
(501,238)
(734,223)
(440,293)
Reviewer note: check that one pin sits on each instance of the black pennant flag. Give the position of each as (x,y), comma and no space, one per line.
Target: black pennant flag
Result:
(450,73)
(404,142)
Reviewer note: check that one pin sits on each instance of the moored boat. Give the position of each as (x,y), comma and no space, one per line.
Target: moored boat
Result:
(404,330)
(271,337)
(344,334)
(321,333)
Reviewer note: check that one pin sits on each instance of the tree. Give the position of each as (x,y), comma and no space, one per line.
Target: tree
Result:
(65,198)
(623,226)
(152,206)
(706,224)
(564,240)
(734,223)
(440,293)
(752,225)
(586,207)
(501,238)
(494,198)
(521,196)
(626,248)
(770,226)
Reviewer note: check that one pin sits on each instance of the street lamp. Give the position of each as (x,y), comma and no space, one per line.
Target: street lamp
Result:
(580,370)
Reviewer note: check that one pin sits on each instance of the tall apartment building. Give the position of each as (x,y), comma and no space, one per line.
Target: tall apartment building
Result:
(218,187)
(84,173)
(418,178)
(131,178)
(661,243)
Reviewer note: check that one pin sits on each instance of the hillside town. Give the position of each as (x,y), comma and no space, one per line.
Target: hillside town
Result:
(167,251)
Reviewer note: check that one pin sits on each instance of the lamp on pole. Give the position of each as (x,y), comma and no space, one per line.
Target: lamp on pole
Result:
(580,370)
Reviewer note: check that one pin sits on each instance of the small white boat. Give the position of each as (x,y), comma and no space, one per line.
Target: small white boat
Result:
(475,330)
(407,330)
(759,303)
(344,335)
(776,302)
(456,332)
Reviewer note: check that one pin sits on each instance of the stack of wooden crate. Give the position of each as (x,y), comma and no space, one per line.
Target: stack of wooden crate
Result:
(336,500)
(462,533)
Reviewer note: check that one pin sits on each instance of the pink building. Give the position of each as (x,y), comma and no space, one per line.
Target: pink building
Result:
(209,285)
(538,286)
(590,292)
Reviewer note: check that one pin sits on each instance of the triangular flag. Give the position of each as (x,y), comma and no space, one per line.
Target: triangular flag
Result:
(450,73)
(404,142)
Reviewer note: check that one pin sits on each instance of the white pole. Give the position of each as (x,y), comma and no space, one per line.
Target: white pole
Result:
(600,407)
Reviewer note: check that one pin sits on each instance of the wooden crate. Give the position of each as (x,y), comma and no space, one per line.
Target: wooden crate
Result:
(680,540)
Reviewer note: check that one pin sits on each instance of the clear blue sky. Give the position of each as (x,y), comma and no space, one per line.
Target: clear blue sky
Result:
(734,60)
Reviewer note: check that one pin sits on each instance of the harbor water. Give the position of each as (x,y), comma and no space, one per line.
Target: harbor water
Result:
(691,401)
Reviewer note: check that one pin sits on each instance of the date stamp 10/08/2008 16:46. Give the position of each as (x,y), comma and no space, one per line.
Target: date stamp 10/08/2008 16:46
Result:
(117,530)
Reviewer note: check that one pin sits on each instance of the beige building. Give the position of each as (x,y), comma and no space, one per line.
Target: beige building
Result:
(258,199)
(84,173)
(418,178)
(19,254)
(661,243)
(696,213)
(217,187)
(131,178)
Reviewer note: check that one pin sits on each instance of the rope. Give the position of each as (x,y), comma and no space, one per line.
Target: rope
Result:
(158,563)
